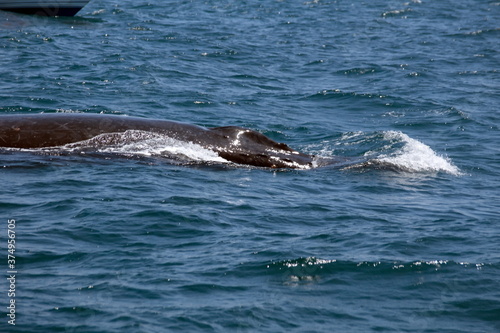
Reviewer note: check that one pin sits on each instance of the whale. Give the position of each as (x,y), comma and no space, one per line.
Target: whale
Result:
(235,144)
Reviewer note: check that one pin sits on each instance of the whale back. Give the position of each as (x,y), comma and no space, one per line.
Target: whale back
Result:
(233,143)
(57,129)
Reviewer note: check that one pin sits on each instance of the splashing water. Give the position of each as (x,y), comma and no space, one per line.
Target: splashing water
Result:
(415,156)
(384,150)
(134,142)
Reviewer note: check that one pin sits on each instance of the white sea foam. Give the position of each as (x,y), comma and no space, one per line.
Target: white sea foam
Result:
(142,143)
(416,156)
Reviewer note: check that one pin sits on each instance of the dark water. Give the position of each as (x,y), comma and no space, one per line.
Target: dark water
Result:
(123,240)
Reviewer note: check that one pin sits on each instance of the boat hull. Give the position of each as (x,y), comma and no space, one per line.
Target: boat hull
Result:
(44,7)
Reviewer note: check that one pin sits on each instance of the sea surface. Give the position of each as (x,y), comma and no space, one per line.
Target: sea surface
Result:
(124,240)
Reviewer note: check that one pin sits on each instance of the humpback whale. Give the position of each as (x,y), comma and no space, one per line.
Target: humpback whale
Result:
(235,144)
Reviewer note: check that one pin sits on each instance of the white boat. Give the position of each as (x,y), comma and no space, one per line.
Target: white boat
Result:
(44,7)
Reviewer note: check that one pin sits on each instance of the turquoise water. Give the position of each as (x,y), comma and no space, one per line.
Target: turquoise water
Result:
(123,240)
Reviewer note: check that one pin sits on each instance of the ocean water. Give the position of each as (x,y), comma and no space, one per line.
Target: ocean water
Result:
(124,240)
